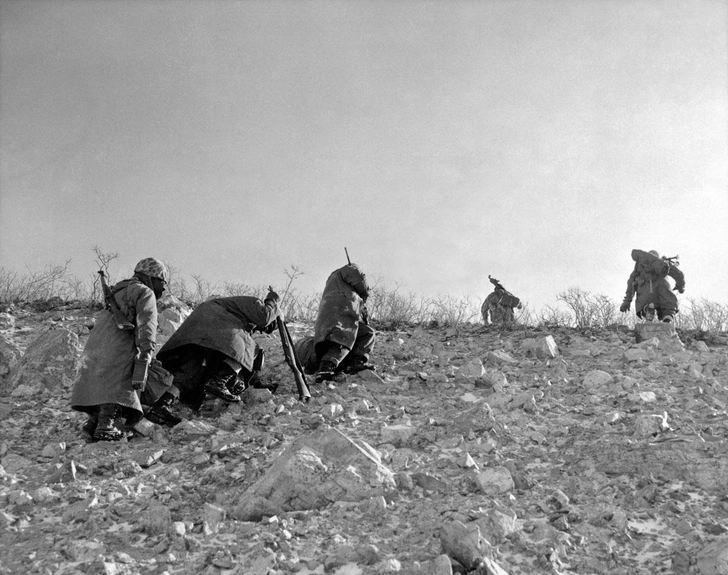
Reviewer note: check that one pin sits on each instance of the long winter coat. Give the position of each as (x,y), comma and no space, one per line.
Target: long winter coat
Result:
(339,312)
(225,325)
(108,357)
(499,304)
(649,281)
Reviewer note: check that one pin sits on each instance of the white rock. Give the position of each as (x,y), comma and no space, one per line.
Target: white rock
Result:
(596,379)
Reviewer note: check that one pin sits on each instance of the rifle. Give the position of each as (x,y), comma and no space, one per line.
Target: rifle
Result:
(347,256)
(496,283)
(292,359)
(673,261)
(121,321)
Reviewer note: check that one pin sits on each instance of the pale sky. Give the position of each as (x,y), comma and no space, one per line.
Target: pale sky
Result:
(538,141)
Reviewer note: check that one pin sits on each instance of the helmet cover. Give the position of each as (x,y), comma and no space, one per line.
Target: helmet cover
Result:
(153,268)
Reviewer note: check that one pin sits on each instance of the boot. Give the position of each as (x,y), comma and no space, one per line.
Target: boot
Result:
(88,428)
(358,364)
(106,428)
(326,371)
(238,386)
(218,386)
(649,312)
(160,413)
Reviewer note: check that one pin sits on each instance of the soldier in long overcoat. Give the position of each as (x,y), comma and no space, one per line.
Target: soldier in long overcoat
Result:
(499,305)
(342,340)
(104,388)
(213,350)
(649,281)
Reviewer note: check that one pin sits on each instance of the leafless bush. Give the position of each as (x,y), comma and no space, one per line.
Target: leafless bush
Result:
(51,281)
(393,308)
(703,315)
(552,317)
(589,310)
(452,311)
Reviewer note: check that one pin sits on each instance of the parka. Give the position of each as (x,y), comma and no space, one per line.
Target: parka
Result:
(339,313)
(500,304)
(108,357)
(225,325)
(648,281)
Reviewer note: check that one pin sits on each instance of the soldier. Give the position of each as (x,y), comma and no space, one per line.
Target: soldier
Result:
(649,281)
(499,306)
(104,388)
(213,351)
(342,340)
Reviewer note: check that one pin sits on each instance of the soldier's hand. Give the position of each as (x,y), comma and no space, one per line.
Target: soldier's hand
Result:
(273,296)
(624,307)
(679,289)
(145,355)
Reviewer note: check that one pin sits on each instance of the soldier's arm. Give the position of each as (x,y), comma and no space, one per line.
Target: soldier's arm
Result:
(146,318)
(357,280)
(676,274)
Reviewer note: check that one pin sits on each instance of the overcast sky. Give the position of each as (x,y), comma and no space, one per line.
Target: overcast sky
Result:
(538,141)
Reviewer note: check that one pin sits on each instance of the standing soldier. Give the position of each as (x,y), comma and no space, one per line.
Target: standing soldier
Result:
(649,281)
(213,351)
(342,340)
(499,306)
(124,334)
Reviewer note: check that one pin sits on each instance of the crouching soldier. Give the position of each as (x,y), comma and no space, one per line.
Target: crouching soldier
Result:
(342,340)
(498,307)
(213,351)
(124,335)
(649,281)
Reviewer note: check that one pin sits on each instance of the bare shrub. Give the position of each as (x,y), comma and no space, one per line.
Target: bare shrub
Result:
(552,317)
(703,315)
(51,281)
(589,310)
(451,311)
(393,308)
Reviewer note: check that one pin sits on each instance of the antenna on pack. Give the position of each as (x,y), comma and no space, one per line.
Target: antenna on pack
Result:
(347,255)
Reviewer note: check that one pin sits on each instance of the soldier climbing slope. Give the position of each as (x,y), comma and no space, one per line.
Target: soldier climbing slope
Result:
(124,334)
(213,351)
(498,306)
(343,339)
(649,281)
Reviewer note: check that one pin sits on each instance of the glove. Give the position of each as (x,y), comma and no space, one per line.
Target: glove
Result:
(679,289)
(625,306)
(273,296)
(144,355)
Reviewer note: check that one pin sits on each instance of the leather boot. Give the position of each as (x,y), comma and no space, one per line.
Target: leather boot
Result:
(358,364)
(106,428)
(218,386)
(160,412)
(88,428)
(326,371)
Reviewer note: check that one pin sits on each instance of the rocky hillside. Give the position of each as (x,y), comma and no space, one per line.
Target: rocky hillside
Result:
(471,450)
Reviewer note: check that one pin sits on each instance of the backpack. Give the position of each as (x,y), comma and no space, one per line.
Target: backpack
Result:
(650,266)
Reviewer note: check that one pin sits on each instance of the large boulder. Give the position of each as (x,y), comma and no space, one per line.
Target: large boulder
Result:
(316,470)
(51,361)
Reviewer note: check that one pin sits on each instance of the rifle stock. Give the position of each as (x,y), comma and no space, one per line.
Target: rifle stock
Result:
(121,320)
(293,361)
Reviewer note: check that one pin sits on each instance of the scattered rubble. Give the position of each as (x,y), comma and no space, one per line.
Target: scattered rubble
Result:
(470,450)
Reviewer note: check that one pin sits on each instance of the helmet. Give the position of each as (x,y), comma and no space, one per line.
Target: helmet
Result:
(654,253)
(153,268)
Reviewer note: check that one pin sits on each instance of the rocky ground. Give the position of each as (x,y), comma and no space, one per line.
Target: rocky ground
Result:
(470,450)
